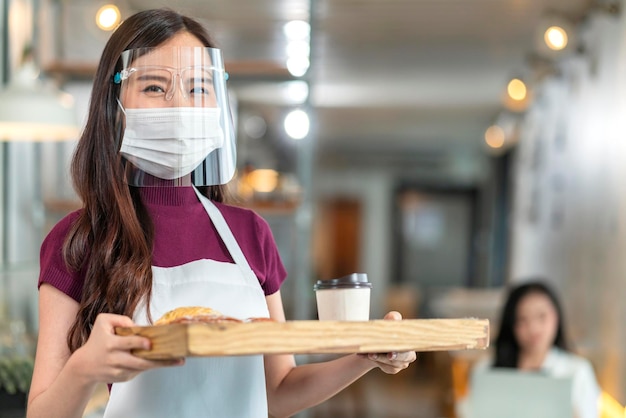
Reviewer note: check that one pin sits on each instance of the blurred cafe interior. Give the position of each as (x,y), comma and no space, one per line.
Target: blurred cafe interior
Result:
(447,148)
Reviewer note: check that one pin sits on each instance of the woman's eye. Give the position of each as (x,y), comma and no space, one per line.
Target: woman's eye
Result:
(153,88)
(200,90)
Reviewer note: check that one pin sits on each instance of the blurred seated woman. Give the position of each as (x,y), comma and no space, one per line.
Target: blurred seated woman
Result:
(532,338)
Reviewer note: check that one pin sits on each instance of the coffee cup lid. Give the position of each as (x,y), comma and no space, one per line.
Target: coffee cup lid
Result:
(351,281)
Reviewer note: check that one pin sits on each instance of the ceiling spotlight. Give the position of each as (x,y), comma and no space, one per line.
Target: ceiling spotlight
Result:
(297,124)
(517,90)
(297,30)
(516,97)
(298,49)
(555,38)
(108,17)
(495,137)
(298,66)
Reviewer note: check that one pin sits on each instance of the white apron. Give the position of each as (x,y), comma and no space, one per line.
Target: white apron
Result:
(216,387)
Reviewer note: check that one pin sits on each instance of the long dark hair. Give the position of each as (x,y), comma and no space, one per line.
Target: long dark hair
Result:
(507,347)
(112,239)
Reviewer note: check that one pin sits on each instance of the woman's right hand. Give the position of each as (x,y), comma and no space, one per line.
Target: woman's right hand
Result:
(107,357)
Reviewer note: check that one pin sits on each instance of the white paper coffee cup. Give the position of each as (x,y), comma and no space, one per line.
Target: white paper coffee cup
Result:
(344,299)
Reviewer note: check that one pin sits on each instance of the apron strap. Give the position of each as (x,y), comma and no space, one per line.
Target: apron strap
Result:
(225,233)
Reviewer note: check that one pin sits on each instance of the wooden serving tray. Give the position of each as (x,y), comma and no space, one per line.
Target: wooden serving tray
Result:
(310,337)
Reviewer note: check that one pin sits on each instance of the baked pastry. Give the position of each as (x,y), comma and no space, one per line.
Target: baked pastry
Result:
(190,314)
(259,319)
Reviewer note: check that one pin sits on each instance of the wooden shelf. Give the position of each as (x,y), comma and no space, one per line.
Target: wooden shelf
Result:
(236,69)
(71,70)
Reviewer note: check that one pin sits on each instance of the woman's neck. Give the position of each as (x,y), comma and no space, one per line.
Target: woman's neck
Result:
(532,360)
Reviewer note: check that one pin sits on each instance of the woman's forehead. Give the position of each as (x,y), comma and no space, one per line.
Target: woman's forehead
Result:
(174,57)
(535,300)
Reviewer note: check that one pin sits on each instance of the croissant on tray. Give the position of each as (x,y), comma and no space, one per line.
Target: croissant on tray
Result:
(194,314)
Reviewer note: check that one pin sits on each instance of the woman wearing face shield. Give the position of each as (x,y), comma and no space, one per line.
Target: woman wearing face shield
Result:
(154,234)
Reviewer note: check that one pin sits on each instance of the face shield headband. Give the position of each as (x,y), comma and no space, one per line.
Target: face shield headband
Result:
(177,125)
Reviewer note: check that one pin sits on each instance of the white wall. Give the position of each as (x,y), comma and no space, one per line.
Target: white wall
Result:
(569,221)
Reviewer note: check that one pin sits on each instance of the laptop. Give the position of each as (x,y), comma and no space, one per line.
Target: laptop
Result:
(502,393)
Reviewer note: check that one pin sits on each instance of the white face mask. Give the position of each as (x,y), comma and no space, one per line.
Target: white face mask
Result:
(170,142)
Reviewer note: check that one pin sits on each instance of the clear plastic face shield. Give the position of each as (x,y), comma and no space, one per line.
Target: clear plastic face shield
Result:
(177,126)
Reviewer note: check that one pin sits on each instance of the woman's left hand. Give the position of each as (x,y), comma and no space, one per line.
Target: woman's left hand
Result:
(392,363)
